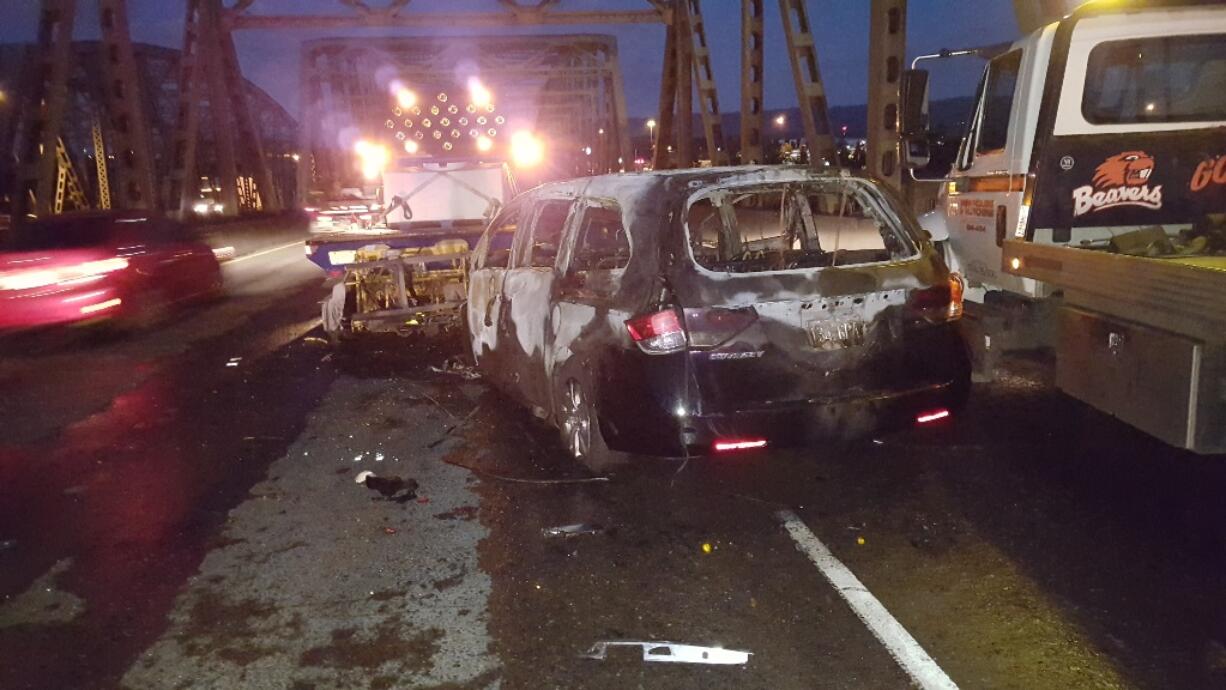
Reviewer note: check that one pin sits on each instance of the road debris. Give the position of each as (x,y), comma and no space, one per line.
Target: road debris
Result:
(456,367)
(391,488)
(390,530)
(525,480)
(671,652)
(707,548)
(233,361)
(447,432)
(315,340)
(575,530)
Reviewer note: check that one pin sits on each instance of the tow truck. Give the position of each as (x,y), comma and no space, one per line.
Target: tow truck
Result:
(405,271)
(1087,208)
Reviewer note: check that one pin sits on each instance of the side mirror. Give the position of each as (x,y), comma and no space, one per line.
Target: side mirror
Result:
(913,118)
(913,103)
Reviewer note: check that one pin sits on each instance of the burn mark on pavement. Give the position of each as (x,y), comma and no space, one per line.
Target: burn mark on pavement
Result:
(352,648)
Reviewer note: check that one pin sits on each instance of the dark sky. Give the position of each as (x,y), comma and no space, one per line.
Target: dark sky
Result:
(270,58)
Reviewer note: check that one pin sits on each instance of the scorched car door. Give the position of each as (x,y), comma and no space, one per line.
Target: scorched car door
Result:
(527,301)
(485,289)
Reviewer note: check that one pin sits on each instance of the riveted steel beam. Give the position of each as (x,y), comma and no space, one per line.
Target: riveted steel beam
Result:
(184,180)
(751,80)
(128,132)
(886,55)
(704,79)
(441,20)
(45,99)
(810,92)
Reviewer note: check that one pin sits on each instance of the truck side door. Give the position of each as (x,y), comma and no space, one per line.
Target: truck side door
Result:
(985,191)
(527,300)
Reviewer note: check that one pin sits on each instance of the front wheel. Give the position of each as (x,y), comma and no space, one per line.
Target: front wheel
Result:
(580,430)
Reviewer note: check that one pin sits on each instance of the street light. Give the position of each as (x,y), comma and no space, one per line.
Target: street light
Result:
(780,120)
(651,129)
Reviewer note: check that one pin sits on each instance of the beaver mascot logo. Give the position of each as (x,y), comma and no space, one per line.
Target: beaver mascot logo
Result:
(1121,180)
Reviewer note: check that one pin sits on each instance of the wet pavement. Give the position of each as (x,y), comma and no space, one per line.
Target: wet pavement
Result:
(169,521)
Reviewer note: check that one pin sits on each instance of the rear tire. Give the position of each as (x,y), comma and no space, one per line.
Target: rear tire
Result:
(579,426)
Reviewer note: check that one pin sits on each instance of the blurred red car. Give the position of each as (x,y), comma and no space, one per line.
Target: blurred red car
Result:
(126,268)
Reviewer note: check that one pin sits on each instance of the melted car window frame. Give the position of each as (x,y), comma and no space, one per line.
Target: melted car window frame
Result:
(874,204)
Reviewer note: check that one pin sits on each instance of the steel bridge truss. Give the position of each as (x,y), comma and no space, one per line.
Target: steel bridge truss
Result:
(576,82)
(567,85)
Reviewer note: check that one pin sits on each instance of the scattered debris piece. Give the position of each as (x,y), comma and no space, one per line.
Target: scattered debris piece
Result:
(378,457)
(860,541)
(447,432)
(439,405)
(671,652)
(7,544)
(326,358)
(263,438)
(233,361)
(574,530)
(315,340)
(391,488)
(390,530)
(423,500)
(524,480)
(456,367)
(461,513)
(878,442)
(707,548)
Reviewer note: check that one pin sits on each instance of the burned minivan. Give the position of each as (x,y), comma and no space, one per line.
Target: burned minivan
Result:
(715,310)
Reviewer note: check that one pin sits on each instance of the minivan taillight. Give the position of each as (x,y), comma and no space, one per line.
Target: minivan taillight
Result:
(659,333)
(938,304)
(714,327)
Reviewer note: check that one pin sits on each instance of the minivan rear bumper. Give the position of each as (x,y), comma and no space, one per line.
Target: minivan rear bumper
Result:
(811,422)
(793,424)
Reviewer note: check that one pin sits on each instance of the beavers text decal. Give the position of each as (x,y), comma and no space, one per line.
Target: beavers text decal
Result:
(1121,180)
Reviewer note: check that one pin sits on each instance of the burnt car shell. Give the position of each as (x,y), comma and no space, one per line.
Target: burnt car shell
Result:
(803,354)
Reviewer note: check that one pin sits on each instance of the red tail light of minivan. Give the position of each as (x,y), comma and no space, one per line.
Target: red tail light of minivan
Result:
(659,333)
(938,304)
(714,327)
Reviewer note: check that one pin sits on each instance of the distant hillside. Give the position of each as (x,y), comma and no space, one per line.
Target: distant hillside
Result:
(947,115)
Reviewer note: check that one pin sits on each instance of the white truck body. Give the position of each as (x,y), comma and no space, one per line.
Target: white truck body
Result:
(1106,123)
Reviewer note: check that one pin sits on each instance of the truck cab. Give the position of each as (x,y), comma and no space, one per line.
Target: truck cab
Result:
(1093,173)
(1071,121)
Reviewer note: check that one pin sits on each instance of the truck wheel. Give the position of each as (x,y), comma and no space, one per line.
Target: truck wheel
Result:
(580,429)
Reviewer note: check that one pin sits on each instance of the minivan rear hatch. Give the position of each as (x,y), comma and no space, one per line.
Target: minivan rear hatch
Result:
(805,290)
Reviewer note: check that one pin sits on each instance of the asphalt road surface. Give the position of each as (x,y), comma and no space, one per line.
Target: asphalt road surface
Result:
(178,510)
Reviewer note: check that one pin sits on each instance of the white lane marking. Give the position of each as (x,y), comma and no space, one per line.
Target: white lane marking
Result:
(244,257)
(898,642)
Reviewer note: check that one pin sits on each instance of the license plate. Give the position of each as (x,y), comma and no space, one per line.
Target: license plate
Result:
(342,257)
(836,334)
